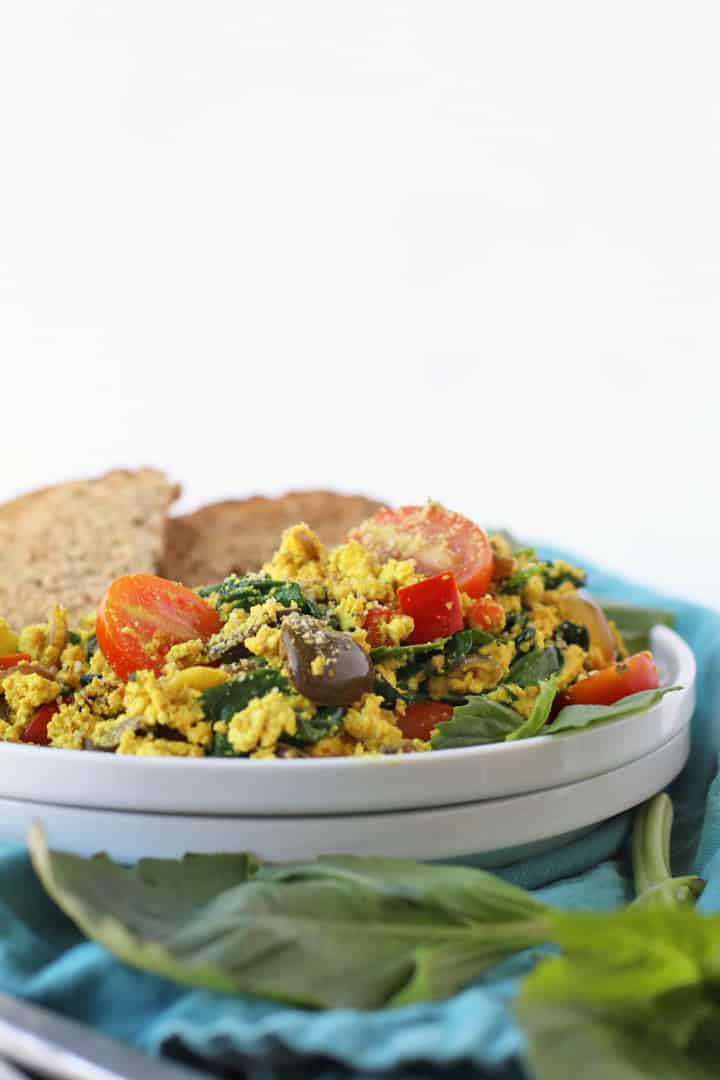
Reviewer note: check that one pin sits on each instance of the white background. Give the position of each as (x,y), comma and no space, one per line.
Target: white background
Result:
(462,250)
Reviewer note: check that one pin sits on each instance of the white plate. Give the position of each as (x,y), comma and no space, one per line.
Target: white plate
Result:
(492,832)
(351,785)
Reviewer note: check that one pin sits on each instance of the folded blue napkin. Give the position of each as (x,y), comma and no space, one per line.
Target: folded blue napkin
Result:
(43,958)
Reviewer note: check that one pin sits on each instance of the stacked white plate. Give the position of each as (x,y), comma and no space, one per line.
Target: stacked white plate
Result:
(491,804)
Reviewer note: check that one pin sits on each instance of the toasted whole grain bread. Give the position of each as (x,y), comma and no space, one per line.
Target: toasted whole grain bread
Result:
(65,544)
(239,536)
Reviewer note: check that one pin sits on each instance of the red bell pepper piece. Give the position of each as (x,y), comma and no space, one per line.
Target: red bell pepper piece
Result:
(434,604)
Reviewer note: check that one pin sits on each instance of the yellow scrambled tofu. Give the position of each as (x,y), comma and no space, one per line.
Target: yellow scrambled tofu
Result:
(316,654)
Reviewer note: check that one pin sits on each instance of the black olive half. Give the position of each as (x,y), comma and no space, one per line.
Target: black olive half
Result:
(325,665)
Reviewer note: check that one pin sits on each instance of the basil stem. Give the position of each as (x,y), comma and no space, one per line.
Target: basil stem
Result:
(652,873)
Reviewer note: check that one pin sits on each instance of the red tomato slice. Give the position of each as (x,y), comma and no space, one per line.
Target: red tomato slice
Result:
(437,539)
(487,614)
(434,604)
(13,659)
(142,616)
(36,728)
(611,684)
(420,718)
(373,620)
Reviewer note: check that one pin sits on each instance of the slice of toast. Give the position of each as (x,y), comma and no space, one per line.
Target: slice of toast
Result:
(65,544)
(239,536)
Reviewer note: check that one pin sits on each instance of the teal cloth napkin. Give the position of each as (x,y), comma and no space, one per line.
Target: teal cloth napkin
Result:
(43,958)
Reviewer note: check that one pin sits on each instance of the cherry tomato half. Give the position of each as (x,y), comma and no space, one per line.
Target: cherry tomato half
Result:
(36,728)
(421,717)
(434,604)
(437,539)
(142,616)
(611,684)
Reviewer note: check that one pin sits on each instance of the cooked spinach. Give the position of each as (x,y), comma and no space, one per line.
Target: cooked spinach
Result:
(574,634)
(325,721)
(525,637)
(516,582)
(246,592)
(223,701)
(552,575)
(454,646)
(418,663)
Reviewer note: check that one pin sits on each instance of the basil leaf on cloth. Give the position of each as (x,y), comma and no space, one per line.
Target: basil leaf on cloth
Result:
(633,995)
(329,939)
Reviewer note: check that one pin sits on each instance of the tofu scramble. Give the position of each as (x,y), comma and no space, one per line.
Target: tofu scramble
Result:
(363,649)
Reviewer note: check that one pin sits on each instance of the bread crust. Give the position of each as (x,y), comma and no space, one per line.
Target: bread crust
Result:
(65,543)
(237,536)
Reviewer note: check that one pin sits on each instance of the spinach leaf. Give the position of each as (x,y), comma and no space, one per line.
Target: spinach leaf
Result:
(534,667)
(418,661)
(246,592)
(455,647)
(553,575)
(325,721)
(576,717)
(223,701)
(635,623)
(540,712)
(480,721)
(352,938)
(516,582)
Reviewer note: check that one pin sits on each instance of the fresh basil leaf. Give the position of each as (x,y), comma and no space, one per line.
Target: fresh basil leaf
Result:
(457,891)
(540,712)
(535,667)
(322,941)
(635,623)
(636,990)
(480,721)
(223,701)
(565,1042)
(246,592)
(576,717)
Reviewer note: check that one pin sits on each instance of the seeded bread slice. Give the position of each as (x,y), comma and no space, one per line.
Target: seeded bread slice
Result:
(239,536)
(65,544)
